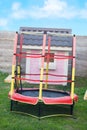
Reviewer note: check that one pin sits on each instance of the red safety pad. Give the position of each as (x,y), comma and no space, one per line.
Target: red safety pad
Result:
(34,100)
(25,99)
(61,100)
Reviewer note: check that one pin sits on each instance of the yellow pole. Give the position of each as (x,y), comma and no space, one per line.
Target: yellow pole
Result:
(13,80)
(73,67)
(48,59)
(14,64)
(41,84)
(42,66)
(18,70)
(19,60)
(47,70)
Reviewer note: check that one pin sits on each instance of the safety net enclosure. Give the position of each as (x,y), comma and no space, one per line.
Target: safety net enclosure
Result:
(43,67)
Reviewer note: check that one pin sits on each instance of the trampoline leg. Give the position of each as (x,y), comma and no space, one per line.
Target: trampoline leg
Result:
(11,105)
(71,109)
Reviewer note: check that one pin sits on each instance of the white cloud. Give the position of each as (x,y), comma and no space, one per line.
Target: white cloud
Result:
(21,14)
(54,5)
(3,22)
(50,9)
(17,11)
(16,6)
(54,8)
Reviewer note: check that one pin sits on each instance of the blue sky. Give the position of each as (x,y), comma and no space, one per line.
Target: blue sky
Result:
(70,14)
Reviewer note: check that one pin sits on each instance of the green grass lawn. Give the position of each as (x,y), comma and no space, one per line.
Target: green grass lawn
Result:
(13,121)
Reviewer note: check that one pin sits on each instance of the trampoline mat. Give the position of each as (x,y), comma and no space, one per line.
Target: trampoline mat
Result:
(45,93)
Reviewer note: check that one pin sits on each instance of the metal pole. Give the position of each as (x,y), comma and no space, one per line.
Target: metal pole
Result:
(48,60)
(73,67)
(42,66)
(14,64)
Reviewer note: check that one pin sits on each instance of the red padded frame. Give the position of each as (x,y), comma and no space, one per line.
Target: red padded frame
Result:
(34,100)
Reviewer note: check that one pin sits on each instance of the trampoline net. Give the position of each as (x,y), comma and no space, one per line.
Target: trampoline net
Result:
(57,61)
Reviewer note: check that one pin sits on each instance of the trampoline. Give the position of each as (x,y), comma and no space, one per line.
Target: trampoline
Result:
(34,95)
(49,96)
